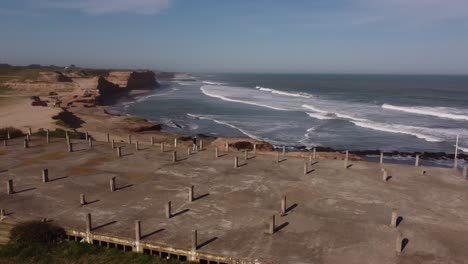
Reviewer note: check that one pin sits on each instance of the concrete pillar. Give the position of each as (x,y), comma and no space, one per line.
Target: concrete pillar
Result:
(416,163)
(47,136)
(152,141)
(68,139)
(88,223)
(284,150)
(246,154)
(86,135)
(67,136)
(174,156)
(310,158)
(82,199)
(201,145)
(189,151)
(137,146)
(129,139)
(26,143)
(28,137)
(306,167)
(5,142)
(254,149)
(8,135)
(29,132)
(10,189)
(190,193)
(314,153)
(393,220)
(236,162)
(398,242)
(108,137)
(119,152)
(137,231)
(227,147)
(465,171)
(381,157)
(346,159)
(112,184)
(113,144)
(2,214)
(175,142)
(216,153)
(90,142)
(272,226)
(194,240)
(277,157)
(45,175)
(384,175)
(168,210)
(162,146)
(70,147)
(283,205)
(455,163)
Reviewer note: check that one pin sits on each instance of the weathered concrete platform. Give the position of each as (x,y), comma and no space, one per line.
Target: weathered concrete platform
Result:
(336,215)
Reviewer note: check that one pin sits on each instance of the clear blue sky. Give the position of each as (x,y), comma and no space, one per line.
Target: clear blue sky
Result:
(317,36)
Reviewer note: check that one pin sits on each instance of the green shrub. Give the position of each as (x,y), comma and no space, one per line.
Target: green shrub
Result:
(36,232)
(14,133)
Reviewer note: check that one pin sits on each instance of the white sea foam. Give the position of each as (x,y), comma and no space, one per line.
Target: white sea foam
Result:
(321,116)
(330,115)
(212,83)
(211,94)
(442,112)
(303,95)
(226,124)
(401,129)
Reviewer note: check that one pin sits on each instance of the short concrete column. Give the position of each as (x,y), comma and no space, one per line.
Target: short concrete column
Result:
(398,242)
(174,156)
(455,164)
(10,189)
(194,240)
(5,142)
(112,184)
(216,153)
(28,137)
(113,144)
(381,157)
(168,210)
(465,171)
(86,135)
(119,152)
(277,157)
(236,162)
(254,149)
(29,132)
(284,150)
(283,205)
(416,163)
(310,159)
(246,154)
(45,175)
(47,136)
(272,225)
(137,145)
(393,220)
(189,151)
(190,194)
(89,226)
(2,214)
(70,147)
(306,167)
(152,141)
(162,147)
(82,199)
(175,142)
(8,135)
(314,153)
(67,136)
(201,145)
(26,143)
(384,175)
(108,137)
(129,139)
(346,159)
(90,142)
(227,147)
(137,231)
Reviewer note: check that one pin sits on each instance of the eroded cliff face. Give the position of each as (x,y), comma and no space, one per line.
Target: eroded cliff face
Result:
(133,79)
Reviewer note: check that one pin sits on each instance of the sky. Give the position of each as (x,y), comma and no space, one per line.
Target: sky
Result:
(248,36)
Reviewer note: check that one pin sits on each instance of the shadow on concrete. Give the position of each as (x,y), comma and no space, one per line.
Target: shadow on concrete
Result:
(58,179)
(123,187)
(207,242)
(242,165)
(91,202)
(3,171)
(25,190)
(182,159)
(103,225)
(201,196)
(253,157)
(282,160)
(128,154)
(388,178)
(404,243)
(221,155)
(313,163)
(399,220)
(180,212)
(152,233)
(309,171)
(283,225)
(290,208)
(10,213)
(349,166)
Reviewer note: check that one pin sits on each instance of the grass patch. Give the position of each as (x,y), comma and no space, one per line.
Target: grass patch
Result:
(136,119)
(60,133)
(14,133)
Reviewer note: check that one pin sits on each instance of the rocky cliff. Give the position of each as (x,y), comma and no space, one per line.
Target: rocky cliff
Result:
(133,79)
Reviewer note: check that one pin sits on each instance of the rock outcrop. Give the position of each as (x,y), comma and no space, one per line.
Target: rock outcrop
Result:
(133,79)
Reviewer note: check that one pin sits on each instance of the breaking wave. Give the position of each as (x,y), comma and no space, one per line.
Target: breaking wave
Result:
(212,83)
(273,91)
(401,129)
(442,112)
(323,115)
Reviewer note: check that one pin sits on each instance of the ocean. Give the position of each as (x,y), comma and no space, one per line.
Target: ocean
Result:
(405,113)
